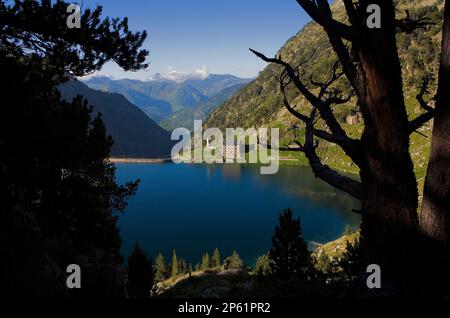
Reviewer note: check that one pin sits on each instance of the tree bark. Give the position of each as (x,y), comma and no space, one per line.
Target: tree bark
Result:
(389,207)
(389,188)
(435,214)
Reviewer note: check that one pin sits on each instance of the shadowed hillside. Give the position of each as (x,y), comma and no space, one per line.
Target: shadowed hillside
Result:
(173,103)
(134,133)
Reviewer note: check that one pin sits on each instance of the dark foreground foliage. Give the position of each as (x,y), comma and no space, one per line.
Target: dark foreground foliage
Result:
(60,199)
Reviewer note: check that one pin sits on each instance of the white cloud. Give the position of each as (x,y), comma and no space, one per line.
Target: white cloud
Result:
(202,72)
(96,74)
(180,76)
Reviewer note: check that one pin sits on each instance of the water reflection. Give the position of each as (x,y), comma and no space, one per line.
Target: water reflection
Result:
(195,208)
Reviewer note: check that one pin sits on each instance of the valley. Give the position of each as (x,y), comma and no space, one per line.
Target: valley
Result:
(173,103)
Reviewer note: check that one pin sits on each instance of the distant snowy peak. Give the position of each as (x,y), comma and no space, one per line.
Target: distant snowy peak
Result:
(95,76)
(180,76)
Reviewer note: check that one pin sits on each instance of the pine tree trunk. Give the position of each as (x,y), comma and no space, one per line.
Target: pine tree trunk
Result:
(435,214)
(389,186)
(388,239)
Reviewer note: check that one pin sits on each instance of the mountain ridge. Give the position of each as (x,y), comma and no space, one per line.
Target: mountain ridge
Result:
(162,98)
(185,117)
(134,133)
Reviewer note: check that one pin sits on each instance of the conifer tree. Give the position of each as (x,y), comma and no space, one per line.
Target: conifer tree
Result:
(161,268)
(205,262)
(348,230)
(215,259)
(56,183)
(233,261)
(289,252)
(175,268)
(263,265)
(140,273)
(323,263)
(182,266)
(352,261)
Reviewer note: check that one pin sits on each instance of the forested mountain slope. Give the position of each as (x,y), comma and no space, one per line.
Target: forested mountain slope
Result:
(134,133)
(260,103)
(170,102)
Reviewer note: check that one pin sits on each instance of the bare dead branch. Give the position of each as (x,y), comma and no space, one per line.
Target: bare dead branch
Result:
(324,172)
(409,25)
(351,12)
(310,97)
(422,119)
(337,100)
(418,132)
(335,75)
(304,61)
(288,148)
(347,63)
(305,119)
(320,12)
(288,105)
(424,91)
(268,146)
(320,170)
(350,146)
(419,121)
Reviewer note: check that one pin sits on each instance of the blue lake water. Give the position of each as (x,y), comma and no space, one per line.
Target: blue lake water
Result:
(195,208)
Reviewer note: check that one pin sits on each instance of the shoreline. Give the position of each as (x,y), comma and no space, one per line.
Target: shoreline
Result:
(164,160)
(140,160)
(287,162)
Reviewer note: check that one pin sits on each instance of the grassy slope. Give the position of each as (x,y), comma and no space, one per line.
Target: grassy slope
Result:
(207,284)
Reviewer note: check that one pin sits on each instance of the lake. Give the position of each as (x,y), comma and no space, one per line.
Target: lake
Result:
(195,208)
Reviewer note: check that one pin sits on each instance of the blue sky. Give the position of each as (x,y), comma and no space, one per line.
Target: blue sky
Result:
(185,35)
